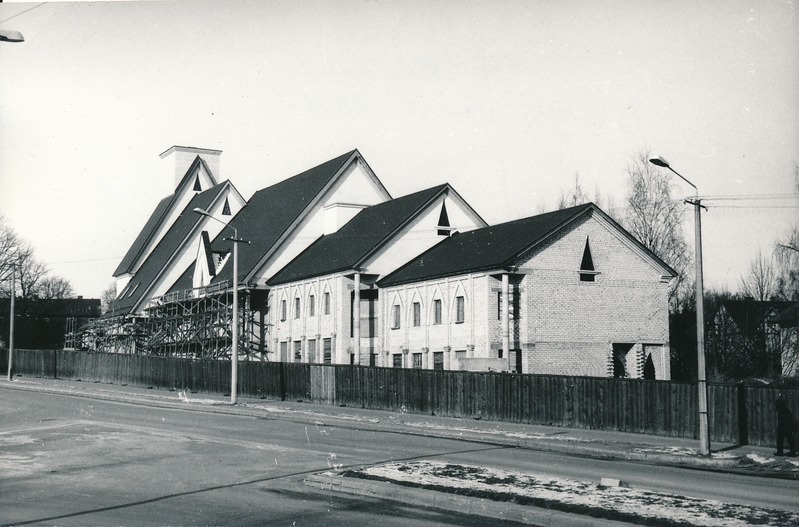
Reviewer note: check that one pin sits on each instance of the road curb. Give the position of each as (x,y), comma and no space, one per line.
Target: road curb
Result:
(582,448)
(499,510)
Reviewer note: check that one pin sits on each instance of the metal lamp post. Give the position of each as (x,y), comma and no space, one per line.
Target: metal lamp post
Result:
(234,352)
(701,380)
(9,35)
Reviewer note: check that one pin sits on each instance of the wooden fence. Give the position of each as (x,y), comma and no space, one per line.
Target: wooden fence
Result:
(738,414)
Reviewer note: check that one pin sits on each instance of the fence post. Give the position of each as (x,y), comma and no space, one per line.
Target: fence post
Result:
(743,415)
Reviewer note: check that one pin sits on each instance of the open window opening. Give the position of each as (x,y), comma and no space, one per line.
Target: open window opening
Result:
(620,364)
(587,271)
(444,228)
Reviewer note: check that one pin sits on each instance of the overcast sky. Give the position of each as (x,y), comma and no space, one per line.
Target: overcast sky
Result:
(506,101)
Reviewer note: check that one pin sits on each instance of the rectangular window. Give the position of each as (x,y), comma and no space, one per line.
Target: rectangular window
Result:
(436,312)
(297,308)
(312,351)
(395,317)
(284,351)
(327,303)
(417,314)
(438,360)
(499,305)
(327,350)
(397,360)
(513,308)
(312,306)
(460,309)
(417,361)
(298,351)
(282,310)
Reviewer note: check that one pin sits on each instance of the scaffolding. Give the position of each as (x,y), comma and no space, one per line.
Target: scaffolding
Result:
(196,323)
(193,323)
(121,334)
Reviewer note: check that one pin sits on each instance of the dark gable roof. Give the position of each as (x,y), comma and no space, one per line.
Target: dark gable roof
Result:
(499,247)
(270,212)
(493,247)
(144,235)
(749,315)
(152,224)
(353,243)
(161,254)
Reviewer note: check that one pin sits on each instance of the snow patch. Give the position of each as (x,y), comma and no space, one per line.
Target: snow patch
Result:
(577,495)
(757,458)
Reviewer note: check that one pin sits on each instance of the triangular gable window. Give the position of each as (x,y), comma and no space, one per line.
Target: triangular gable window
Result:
(226,208)
(197,186)
(443,222)
(587,271)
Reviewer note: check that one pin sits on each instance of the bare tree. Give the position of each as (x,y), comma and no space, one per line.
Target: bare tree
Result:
(29,271)
(573,197)
(9,254)
(107,298)
(655,218)
(760,281)
(54,287)
(786,253)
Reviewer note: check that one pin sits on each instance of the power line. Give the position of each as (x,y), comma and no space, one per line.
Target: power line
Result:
(739,197)
(22,12)
(89,260)
(753,206)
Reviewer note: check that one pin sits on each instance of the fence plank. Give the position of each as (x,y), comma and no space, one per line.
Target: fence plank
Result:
(652,407)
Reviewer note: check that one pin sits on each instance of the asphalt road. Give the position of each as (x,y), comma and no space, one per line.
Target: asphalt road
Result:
(75,461)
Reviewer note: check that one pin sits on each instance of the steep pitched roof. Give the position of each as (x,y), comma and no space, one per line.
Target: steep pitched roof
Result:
(361,237)
(144,236)
(272,211)
(158,259)
(156,219)
(494,247)
(749,315)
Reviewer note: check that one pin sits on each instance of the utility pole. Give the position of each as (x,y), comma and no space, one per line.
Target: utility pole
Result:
(11,324)
(701,379)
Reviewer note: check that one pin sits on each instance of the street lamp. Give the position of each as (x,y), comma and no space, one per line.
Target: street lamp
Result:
(9,35)
(234,352)
(701,381)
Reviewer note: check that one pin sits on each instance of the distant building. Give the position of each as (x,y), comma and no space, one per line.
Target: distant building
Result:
(43,324)
(745,339)
(334,270)
(788,322)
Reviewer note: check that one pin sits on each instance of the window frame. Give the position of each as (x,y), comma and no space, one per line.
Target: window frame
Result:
(396,316)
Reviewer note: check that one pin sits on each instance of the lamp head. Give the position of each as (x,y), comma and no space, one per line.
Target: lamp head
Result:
(200,211)
(659,161)
(9,35)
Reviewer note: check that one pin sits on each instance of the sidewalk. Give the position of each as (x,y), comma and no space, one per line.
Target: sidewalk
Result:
(593,444)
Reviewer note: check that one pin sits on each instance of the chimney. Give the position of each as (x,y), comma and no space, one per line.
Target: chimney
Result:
(180,158)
